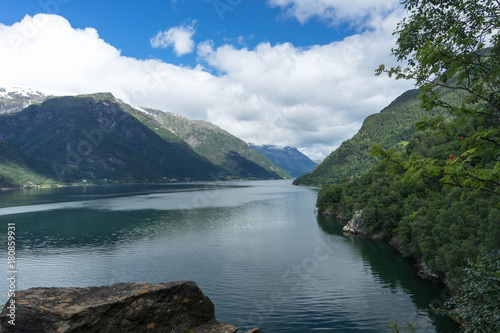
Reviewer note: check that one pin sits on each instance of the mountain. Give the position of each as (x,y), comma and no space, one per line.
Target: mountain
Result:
(288,158)
(392,128)
(16,168)
(210,141)
(71,133)
(92,137)
(14,99)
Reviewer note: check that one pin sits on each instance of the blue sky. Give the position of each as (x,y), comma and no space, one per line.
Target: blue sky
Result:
(285,72)
(129,25)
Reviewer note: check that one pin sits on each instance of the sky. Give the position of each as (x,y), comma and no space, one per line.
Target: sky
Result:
(285,72)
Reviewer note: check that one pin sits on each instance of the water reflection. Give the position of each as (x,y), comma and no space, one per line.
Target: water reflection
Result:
(241,242)
(394,271)
(85,227)
(131,198)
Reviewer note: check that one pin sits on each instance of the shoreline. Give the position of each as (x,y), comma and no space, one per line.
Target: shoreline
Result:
(36,187)
(422,270)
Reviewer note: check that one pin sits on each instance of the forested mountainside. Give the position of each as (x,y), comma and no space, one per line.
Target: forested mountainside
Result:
(16,168)
(438,199)
(392,128)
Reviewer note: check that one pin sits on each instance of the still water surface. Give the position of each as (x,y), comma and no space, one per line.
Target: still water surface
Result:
(257,249)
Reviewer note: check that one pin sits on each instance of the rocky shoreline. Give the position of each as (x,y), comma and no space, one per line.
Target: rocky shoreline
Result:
(175,307)
(356,226)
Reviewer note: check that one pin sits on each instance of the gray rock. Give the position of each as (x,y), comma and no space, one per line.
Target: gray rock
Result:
(425,271)
(356,225)
(174,307)
(395,243)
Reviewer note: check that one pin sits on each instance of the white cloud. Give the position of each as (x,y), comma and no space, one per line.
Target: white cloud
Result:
(307,96)
(335,11)
(312,98)
(181,38)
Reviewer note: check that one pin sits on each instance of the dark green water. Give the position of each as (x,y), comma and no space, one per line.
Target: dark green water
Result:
(257,249)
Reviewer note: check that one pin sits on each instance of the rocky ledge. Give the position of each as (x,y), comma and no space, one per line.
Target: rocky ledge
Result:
(356,225)
(175,307)
(338,215)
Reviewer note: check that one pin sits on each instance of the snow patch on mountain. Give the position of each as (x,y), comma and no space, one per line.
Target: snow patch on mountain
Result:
(14,98)
(12,92)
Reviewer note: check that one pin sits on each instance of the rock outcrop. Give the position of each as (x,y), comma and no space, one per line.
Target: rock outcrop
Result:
(339,216)
(356,225)
(175,307)
(426,272)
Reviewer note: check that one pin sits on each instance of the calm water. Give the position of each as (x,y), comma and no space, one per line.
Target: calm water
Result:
(257,249)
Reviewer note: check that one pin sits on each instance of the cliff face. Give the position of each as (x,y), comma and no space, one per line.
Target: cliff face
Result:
(356,225)
(175,307)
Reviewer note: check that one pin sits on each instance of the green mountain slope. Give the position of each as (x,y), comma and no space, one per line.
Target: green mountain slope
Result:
(210,141)
(18,168)
(233,157)
(91,137)
(392,128)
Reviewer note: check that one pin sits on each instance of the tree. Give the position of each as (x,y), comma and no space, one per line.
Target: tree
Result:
(477,303)
(454,45)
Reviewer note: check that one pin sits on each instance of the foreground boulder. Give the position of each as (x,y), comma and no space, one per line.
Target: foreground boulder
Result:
(175,307)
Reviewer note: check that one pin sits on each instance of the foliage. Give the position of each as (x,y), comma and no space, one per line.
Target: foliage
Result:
(454,45)
(410,327)
(430,221)
(439,195)
(18,169)
(477,303)
(445,226)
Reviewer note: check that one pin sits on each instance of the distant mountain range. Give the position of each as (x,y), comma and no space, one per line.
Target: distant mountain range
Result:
(210,141)
(101,139)
(289,159)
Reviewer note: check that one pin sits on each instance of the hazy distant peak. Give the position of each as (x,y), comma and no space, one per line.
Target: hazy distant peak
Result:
(288,158)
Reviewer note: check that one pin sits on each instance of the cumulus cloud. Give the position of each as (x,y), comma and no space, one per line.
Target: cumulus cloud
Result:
(307,96)
(44,51)
(335,11)
(180,38)
(312,98)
